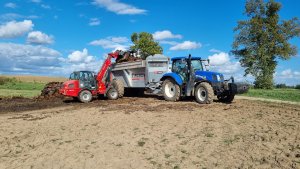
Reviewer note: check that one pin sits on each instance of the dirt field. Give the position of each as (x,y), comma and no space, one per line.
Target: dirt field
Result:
(148,133)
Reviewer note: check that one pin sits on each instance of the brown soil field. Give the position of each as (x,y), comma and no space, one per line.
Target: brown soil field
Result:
(41,79)
(148,133)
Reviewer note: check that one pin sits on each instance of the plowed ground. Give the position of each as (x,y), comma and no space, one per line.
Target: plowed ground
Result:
(148,133)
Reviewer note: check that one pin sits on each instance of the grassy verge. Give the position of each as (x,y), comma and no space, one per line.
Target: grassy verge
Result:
(277,94)
(22,93)
(10,87)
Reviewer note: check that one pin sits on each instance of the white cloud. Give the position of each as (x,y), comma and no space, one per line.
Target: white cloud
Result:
(46,6)
(15,29)
(297,73)
(94,22)
(287,72)
(186,45)
(14,16)
(80,57)
(37,37)
(119,39)
(36,1)
(165,34)
(214,50)
(116,43)
(221,62)
(21,58)
(287,76)
(10,5)
(219,59)
(28,59)
(119,7)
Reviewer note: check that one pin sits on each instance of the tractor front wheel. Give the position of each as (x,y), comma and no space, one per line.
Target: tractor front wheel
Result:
(204,93)
(171,90)
(85,96)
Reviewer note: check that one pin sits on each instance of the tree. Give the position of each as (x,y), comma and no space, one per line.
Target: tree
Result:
(145,43)
(262,39)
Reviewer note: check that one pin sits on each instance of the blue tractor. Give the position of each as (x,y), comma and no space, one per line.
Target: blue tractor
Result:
(189,78)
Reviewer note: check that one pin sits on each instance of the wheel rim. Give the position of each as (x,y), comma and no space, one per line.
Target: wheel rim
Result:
(86,96)
(170,89)
(201,93)
(113,93)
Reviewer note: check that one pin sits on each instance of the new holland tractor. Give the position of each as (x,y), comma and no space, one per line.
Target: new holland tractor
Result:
(189,78)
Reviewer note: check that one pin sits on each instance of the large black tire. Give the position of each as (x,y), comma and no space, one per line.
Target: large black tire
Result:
(119,86)
(112,94)
(204,93)
(226,98)
(85,96)
(171,90)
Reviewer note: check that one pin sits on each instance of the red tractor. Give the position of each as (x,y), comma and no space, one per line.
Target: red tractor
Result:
(84,85)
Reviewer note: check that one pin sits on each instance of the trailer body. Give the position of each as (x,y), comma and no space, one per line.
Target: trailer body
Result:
(143,74)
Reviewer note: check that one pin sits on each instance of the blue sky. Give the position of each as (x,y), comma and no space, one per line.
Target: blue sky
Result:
(44,37)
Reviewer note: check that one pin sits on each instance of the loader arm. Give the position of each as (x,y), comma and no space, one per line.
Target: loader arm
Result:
(103,70)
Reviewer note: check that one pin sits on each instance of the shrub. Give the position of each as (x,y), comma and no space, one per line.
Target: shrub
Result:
(4,80)
(281,86)
(297,86)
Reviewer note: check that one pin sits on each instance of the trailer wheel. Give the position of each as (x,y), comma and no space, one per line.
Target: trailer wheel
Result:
(85,96)
(119,86)
(112,94)
(204,93)
(171,90)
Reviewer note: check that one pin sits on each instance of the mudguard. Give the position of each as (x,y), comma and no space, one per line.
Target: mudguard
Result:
(174,76)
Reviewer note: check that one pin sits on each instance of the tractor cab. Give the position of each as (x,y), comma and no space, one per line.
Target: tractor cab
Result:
(78,83)
(86,79)
(180,66)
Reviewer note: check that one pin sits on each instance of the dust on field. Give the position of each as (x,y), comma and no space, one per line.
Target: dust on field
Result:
(152,133)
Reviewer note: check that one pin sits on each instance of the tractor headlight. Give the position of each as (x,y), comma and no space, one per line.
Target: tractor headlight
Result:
(81,85)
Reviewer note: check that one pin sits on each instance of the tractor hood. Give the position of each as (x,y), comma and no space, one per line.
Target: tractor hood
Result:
(69,82)
(209,76)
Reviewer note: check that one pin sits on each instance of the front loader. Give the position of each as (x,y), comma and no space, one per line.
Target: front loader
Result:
(84,85)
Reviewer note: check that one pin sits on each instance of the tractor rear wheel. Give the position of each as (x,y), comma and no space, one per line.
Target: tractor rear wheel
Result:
(112,94)
(171,90)
(204,93)
(119,86)
(85,96)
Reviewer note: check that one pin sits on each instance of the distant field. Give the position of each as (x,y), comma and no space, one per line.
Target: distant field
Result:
(25,86)
(40,79)
(278,94)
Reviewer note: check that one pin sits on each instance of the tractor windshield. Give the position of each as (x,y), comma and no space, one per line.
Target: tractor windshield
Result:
(86,76)
(74,76)
(197,65)
(180,67)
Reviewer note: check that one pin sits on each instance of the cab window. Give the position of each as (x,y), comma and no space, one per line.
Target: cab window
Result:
(197,65)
